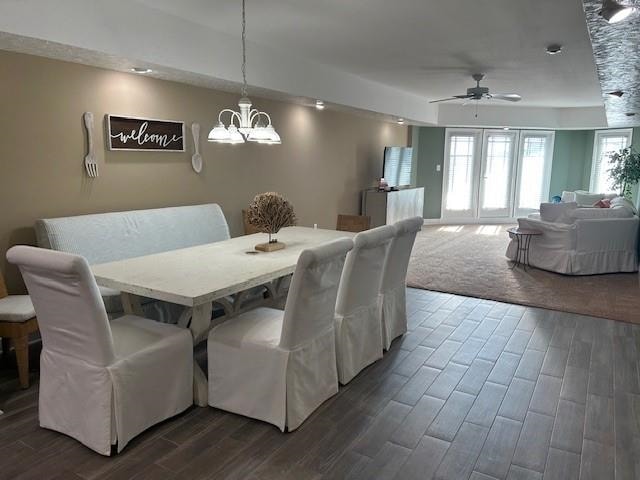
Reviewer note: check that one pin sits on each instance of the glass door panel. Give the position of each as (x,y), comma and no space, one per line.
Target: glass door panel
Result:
(460,173)
(496,180)
(534,171)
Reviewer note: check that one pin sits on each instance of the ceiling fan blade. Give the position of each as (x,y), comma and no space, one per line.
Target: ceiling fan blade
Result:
(509,97)
(443,100)
(455,97)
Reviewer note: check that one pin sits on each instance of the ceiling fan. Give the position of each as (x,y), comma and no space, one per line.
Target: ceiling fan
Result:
(478,93)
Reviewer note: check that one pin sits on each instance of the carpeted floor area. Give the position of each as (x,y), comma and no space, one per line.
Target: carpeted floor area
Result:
(469,260)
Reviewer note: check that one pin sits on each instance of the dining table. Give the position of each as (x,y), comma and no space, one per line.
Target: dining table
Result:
(198,276)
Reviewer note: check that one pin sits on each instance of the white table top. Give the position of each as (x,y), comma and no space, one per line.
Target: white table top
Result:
(196,275)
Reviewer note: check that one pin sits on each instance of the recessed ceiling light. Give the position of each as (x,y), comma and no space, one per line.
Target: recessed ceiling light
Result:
(554,49)
(401,121)
(319,104)
(505,128)
(616,93)
(613,11)
(141,70)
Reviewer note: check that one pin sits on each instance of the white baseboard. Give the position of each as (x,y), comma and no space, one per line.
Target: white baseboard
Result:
(470,221)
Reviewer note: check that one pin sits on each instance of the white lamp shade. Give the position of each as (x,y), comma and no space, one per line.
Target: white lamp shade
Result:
(219,134)
(259,134)
(274,138)
(234,135)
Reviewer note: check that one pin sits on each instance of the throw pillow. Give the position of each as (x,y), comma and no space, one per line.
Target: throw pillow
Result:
(604,203)
(621,202)
(587,199)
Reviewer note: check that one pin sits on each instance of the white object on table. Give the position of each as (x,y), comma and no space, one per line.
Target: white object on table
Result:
(196,276)
(196,159)
(90,164)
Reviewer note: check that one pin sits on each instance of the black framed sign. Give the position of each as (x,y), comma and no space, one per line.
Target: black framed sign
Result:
(144,134)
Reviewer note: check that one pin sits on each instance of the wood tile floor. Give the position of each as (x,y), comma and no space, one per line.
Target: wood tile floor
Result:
(476,389)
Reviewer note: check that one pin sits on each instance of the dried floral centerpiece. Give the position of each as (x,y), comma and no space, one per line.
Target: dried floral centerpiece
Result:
(269,212)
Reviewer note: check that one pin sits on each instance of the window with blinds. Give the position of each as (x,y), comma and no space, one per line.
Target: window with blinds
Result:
(606,142)
(460,179)
(534,171)
(497,173)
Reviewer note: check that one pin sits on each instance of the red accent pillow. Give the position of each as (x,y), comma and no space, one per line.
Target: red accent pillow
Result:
(604,203)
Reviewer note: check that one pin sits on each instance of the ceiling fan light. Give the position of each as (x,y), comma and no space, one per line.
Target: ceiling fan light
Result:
(613,11)
(219,134)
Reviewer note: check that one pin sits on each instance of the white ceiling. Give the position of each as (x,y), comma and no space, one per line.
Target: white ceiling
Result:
(378,56)
(425,47)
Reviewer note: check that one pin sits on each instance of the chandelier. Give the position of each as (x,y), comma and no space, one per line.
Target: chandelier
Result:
(248,124)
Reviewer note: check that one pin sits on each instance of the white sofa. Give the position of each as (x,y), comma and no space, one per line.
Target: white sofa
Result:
(581,241)
(107,237)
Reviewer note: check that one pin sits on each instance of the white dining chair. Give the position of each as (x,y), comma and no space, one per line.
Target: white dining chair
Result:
(280,366)
(394,280)
(359,306)
(101,382)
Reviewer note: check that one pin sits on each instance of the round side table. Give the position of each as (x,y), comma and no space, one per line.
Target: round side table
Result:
(523,238)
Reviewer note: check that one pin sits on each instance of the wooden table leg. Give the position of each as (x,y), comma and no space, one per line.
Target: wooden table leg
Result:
(21,345)
(6,343)
(131,304)
(199,326)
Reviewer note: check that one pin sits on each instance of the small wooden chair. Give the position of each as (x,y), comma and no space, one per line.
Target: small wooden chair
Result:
(353,223)
(248,228)
(17,321)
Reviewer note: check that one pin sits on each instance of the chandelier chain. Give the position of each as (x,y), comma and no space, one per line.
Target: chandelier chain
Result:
(244,51)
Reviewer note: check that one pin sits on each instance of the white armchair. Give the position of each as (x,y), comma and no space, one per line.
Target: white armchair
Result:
(101,383)
(358,308)
(280,366)
(394,280)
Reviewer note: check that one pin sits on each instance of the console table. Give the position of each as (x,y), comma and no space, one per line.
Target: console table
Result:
(386,208)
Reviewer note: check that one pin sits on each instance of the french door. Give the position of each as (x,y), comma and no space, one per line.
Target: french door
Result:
(495,173)
(461,169)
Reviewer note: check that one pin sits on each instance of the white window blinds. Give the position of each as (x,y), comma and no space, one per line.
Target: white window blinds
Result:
(460,172)
(535,162)
(606,142)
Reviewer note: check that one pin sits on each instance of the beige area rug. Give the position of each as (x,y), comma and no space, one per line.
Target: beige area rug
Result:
(469,260)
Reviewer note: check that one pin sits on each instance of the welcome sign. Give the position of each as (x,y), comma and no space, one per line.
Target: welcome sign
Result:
(144,134)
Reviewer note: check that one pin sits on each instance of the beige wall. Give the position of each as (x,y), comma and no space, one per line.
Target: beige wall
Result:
(325,159)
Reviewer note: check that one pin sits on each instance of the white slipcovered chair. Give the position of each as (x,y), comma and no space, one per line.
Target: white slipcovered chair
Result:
(280,366)
(394,285)
(101,382)
(358,307)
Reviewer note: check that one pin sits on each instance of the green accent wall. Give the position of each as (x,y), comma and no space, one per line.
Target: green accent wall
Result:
(430,152)
(571,167)
(572,155)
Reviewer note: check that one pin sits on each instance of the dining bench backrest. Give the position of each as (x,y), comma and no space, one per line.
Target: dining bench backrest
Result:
(107,237)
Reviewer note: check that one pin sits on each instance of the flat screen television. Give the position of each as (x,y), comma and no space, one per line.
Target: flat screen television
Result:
(397,166)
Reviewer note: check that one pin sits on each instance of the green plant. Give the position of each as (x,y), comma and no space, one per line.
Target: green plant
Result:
(625,170)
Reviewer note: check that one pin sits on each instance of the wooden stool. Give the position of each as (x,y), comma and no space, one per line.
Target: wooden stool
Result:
(17,321)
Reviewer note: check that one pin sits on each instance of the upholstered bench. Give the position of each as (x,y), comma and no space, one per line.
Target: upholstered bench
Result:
(17,321)
(108,237)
